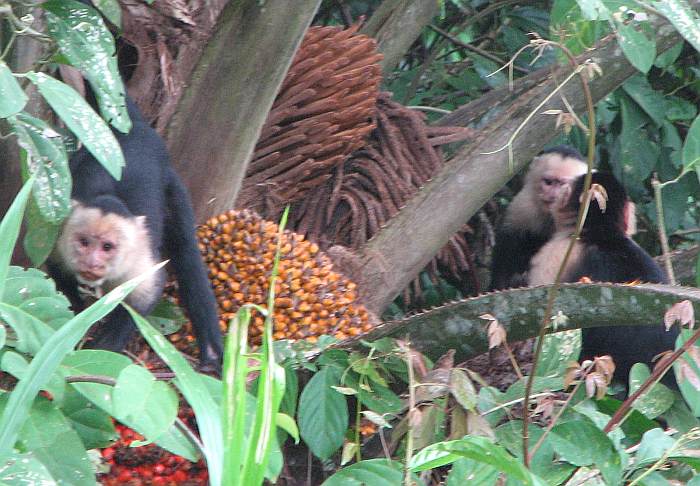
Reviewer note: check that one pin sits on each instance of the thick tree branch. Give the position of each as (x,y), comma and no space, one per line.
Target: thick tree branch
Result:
(396,24)
(402,249)
(213,134)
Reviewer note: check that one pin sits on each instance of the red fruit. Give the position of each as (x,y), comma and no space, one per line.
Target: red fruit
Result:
(180,476)
(108,453)
(159,469)
(159,481)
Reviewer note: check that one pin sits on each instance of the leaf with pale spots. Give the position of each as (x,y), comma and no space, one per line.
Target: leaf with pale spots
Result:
(82,120)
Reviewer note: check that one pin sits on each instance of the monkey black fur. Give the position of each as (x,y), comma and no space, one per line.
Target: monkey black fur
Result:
(149,216)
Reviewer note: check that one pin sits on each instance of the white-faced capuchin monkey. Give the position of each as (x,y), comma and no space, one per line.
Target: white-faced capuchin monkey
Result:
(604,253)
(118,229)
(528,224)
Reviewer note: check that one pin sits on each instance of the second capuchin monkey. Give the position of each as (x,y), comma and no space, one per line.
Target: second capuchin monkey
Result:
(527,223)
(118,229)
(604,253)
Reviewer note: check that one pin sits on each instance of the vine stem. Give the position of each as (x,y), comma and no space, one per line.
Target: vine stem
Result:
(411,411)
(661,223)
(554,290)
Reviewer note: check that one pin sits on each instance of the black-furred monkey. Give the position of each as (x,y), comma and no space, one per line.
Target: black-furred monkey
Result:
(118,229)
(604,253)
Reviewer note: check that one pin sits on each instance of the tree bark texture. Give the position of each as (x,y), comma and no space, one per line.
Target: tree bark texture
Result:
(213,133)
(402,248)
(396,24)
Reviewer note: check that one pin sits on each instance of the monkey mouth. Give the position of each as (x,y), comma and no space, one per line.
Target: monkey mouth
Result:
(90,279)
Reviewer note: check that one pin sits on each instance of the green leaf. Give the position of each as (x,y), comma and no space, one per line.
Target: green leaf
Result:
(478,449)
(18,467)
(323,413)
(668,57)
(558,351)
(9,230)
(594,9)
(374,472)
(40,236)
(463,390)
(84,40)
(83,121)
(656,400)
(639,50)
(111,10)
(688,390)
(683,18)
(48,434)
(31,333)
(50,356)
(12,98)
(94,426)
(167,317)
(465,470)
(140,396)
(192,386)
(654,444)
(581,443)
(691,148)
(651,101)
(287,423)
(47,160)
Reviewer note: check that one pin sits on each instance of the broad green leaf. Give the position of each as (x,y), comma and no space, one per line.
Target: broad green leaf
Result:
(167,317)
(31,333)
(374,396)
(9,230)
(84,40)
(18,468)
(639,50)
(47,160)
(323,413)
(40,236)
(48,434)
(691,148)
(594,9)
(465,470)
(194,390)
(374,472)
(686,364)
(651,101)
(655,444)
(479,449)
(111,10)
(683,18)
(12,98)
(463,390)
(50,356)
(559,349)
(16,365)
(679,109)
(82,121)
(139,396)
(668,57)
(656,400)
(581,443)
(94,426)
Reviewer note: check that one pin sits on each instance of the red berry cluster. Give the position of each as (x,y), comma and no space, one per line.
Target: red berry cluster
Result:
(148,465)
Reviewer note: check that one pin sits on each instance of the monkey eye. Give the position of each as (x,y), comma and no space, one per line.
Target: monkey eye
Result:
(548,181)
(84,242)
(107,246)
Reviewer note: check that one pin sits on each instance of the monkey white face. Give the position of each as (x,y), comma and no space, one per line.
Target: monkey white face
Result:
(557,173)
(96,247)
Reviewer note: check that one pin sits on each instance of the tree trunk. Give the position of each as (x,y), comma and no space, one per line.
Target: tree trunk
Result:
(212,135)
(396,24)
(404,246)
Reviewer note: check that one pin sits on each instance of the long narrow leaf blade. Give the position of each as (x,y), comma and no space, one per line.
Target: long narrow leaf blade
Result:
(235,393)
(50,356)
(195,392)
(9,230)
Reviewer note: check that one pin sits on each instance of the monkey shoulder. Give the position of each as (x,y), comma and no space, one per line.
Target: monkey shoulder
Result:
(617,260)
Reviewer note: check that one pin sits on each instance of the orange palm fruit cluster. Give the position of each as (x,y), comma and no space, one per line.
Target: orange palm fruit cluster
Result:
(311,299)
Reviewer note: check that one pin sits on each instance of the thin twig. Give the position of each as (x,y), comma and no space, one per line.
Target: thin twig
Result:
(661,223)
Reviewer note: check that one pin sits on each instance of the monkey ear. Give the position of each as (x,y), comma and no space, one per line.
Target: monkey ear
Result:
(140,221)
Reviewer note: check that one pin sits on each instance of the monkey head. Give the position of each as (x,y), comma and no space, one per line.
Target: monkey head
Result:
(553,171)
(97,245)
